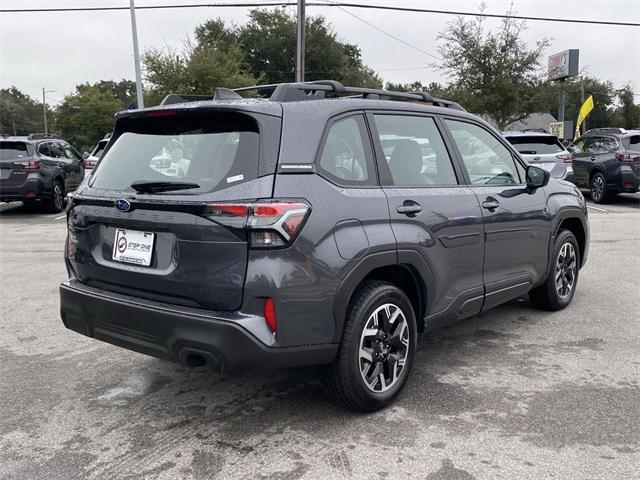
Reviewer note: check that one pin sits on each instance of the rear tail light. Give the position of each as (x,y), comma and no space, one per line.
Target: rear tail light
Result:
(29,164)
(565,157)
(270,224)
(626,157)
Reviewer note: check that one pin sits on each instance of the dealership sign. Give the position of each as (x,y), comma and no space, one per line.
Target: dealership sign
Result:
(563,65)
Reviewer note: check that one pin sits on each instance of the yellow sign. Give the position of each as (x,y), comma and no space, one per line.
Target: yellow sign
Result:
(585,110)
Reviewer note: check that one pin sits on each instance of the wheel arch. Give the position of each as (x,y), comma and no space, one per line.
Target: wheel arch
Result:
(402,269)
(576,223)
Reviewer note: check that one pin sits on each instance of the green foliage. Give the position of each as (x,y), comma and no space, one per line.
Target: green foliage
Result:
(434,88)
(628,114)
(262,51)
(19,113)
(494,74)
(87,114)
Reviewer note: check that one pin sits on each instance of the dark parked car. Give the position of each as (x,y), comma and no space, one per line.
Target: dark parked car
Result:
(543,150)
(323,225)
(607,162)
(38,168)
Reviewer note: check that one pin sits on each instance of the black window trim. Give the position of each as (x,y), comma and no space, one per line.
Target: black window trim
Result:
(374,180)
(386,180)
(514,154)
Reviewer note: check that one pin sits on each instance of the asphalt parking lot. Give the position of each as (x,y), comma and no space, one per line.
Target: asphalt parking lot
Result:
(512,393)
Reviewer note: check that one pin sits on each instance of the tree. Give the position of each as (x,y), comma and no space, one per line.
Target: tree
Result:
(87,114)
(261,51)
(435,89)
(19,113)
(269,42)
(628,114)
(494,74)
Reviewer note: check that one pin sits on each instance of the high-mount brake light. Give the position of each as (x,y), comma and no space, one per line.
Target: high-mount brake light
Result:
(270,224)
(161,113)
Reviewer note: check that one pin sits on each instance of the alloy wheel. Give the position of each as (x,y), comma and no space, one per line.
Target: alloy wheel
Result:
(566,265)
(384,347)
(58,198)
(597,188)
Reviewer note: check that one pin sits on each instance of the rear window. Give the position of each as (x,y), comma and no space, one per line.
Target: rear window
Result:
(536,145)
(632,142)
(214,152)
(14,150)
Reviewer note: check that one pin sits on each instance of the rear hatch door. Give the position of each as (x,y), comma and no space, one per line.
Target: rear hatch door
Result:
(16,159)
(154,239)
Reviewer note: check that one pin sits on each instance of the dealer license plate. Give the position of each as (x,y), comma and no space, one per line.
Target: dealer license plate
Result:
(133,246)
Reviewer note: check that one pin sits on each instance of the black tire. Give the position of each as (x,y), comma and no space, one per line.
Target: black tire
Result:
(345,379)
(56,203)
(598,187)
(548,296)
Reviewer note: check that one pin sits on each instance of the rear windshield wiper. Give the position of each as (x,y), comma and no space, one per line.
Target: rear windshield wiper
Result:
(156,187)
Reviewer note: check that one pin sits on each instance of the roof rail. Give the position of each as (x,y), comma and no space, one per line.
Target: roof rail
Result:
(41,136)
(606,130)
(313,90)
(290,92)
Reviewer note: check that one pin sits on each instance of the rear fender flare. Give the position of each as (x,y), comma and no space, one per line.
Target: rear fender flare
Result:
(371,262)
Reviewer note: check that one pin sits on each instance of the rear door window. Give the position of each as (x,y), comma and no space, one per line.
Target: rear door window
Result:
(414,151)
(69,151)
(214,153)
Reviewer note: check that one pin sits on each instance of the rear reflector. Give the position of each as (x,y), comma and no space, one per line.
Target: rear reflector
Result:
(269,311)
(30,195)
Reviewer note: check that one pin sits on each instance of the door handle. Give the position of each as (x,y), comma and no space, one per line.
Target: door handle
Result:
(490,204)
(409,207)
(593,158)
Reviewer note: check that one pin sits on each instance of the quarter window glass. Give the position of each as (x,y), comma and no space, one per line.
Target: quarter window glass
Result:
(487,161)
(344,157)
(414,151)
(609,143)
(43,149)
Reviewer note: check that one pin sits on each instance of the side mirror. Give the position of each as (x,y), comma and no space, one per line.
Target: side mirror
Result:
(537,177)
(85,155)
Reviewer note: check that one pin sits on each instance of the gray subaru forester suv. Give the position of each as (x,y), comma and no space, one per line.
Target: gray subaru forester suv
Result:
(313,224)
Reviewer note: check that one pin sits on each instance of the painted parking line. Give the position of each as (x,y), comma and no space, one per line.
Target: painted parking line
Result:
(61,217)
(598,209)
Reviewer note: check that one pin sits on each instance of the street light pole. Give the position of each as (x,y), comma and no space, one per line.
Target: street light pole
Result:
(136,55)
(300,43)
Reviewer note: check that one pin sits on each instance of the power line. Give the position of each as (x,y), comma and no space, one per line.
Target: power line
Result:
(390,35)
(316,4)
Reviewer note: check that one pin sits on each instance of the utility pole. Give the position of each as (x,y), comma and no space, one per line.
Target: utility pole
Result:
(300,43)
(44,110)
(136,55)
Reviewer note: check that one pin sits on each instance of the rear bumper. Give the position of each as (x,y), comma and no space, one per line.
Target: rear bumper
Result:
(179,334)
(32,188)
(630,179)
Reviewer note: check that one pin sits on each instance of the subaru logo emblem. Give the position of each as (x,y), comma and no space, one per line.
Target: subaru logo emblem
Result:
(122,204)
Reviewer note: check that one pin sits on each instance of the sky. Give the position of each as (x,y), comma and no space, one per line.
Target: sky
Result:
(57,51)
